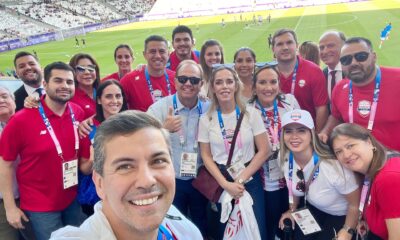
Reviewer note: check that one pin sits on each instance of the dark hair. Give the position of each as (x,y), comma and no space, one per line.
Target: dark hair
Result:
(281,32)
(74,62)
(280,96)
(121,124)
(182,29)
(99,92)
(244,49)
(123,46)
(207,70)
(23,54)
(58,66)
(310,51)
(154,38)
(359,40)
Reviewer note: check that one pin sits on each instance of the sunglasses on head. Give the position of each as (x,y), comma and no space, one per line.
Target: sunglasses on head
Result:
(192,80)
(82,69)
(348,59)
(301,185)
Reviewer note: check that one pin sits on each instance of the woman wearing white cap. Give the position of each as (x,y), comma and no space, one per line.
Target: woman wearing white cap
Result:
(272,105)
(316,181)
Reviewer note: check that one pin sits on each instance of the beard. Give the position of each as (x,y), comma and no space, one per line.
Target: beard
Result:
(61,100)
(362,75)
(33,82)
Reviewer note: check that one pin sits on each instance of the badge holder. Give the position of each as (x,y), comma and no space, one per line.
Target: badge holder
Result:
(306,221)
(70,173)
(188,165)
(273,171)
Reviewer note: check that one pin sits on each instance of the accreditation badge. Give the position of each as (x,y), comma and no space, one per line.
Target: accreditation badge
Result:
(273,170)
(188,165)
(70,173)
(306,221)
(236,169)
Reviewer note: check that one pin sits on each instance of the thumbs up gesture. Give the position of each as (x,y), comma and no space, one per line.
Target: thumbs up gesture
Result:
(172,123)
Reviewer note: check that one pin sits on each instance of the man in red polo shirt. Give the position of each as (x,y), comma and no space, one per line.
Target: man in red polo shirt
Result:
(182,41)
(46,140)
(145,86)
(300,77)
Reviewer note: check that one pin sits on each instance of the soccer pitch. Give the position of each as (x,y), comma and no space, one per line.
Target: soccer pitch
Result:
(365,19)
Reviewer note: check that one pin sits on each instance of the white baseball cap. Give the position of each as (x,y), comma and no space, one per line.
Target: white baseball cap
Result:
(298,116)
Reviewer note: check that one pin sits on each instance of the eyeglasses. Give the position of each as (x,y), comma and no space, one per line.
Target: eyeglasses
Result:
(301,184)
(184,79)
(82,69)
(348,59)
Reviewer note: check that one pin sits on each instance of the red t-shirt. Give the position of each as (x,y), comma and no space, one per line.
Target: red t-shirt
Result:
(85,101)
(174,61)
(137,92)
(111,76)
(387,119)
(385,198)
(39,173)
(310,88)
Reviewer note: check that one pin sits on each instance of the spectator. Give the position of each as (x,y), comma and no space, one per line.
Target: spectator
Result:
(123,56)
(310,51)
(245,60)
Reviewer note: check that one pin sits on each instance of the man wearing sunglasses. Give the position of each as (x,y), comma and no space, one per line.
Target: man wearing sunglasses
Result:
(368,95)
(180,115)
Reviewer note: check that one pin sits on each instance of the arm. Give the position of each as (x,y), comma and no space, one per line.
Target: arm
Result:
(288,213)
(353,199)
(322,114)
(262,143)
(86,164)
(13,213)
(329,126)
(393,227)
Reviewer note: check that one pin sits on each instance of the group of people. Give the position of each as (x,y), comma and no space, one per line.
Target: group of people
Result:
(314,150)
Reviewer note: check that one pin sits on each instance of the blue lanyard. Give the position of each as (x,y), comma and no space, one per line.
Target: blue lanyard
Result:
(92,134)
(222,126)
(94,94)
(164,234)
(294,77)
(273,130)
(374,100)
(316,159)
(150,86)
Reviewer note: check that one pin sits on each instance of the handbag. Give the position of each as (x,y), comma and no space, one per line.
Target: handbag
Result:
(205,183)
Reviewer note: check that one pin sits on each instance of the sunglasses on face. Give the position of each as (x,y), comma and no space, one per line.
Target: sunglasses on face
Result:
(348,59)
(192,80)
(82,69)
(301,185)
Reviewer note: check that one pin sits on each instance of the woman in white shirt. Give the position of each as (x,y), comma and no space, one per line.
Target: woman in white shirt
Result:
(312,173)
(215,134)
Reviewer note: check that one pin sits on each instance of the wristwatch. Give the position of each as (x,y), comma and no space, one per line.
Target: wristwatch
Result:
(349,230)
(240,181)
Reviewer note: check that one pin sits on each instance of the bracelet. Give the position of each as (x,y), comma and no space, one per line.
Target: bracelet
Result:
(349,230)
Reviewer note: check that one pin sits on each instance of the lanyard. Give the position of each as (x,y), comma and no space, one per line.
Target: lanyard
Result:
(294,77)
(223,131)
(273,130)
(176,113)
(92,134)
(316,172)
(150,86)
(365,192)
(164,234)
(53,134)
(374,101)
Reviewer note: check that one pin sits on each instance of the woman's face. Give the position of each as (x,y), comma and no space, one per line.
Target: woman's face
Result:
(224,86)
(244,64)
(111,100)
(85,72)
(267,87)
(212,55)
(124,60)
(297,137)
(354,154)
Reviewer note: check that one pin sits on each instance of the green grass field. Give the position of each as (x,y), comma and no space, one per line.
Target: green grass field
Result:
(354,19)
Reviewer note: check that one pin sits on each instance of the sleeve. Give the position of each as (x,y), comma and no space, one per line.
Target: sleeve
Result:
(125,86)
(84,149)
(319,89)
(334,105)
(11,140)
(204,125)
(256,121)
(387,197)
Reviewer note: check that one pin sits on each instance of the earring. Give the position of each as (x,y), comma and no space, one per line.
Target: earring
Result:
(374,149)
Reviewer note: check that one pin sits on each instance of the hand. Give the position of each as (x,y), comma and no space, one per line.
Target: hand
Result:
(85,128)
(343,235)
(203,97)
(287,214)
(31,102)
(14,216)
(234,189)
(323,137)
(362,228)
(172,123)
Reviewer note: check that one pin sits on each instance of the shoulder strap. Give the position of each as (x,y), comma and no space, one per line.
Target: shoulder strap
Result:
(239,122)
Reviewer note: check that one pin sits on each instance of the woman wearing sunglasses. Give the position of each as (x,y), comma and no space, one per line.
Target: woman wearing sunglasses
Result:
(272,105)
(211,53)
(110,100)
(379,170)
(216,130)
(87,77)
(245,60)
(123,56)
(316,181)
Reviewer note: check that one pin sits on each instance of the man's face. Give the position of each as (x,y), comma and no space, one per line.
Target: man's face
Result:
(61,86)
(138,182)
(183,44)
(188,90)
(358,71)
(329,49)
(29,71)
(285,48)
(156,55)
(7,104)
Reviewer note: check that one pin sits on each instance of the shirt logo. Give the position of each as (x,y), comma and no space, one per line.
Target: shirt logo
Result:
(363,108)
(87,106)
(136,78)
(302,83)
(43,132)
